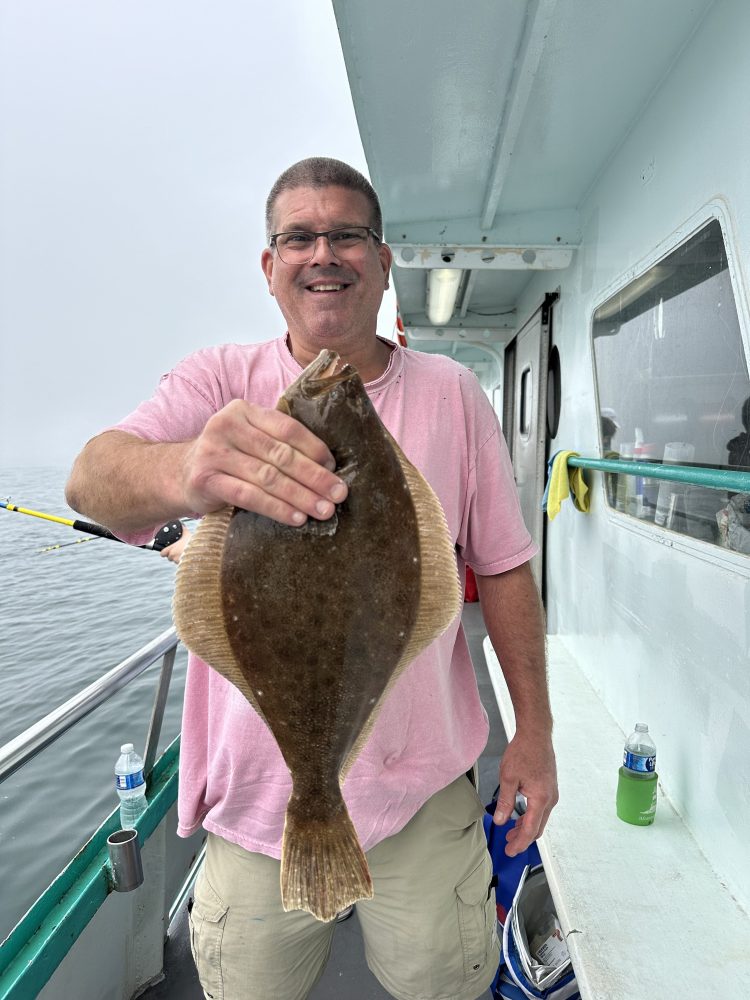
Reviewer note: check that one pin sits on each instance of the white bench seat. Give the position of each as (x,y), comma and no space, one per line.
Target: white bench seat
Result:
(645,916)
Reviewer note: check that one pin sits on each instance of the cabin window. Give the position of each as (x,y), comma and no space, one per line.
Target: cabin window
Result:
(673,387)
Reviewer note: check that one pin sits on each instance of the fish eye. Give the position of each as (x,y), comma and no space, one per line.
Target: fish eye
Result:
(337,393)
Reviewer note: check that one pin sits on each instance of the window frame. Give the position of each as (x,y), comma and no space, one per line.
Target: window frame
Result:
(715,210)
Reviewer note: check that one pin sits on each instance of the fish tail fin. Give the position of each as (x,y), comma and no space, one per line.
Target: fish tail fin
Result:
(323,866)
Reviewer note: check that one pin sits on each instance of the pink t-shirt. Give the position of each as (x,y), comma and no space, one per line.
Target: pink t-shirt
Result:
(432,726)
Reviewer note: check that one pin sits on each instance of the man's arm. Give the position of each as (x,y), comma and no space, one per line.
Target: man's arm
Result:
(515,624)
(247,456)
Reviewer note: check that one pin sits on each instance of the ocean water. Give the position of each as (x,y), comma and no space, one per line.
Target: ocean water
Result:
(67,616)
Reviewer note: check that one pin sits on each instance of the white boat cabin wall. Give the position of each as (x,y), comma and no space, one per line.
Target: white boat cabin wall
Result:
(469,144)
(657,619)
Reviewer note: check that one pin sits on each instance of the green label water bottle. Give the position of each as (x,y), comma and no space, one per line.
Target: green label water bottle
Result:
(636,785)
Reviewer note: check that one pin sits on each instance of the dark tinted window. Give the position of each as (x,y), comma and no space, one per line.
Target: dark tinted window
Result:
(673,383)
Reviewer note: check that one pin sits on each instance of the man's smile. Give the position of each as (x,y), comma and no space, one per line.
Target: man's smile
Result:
(333,283)
(326,287)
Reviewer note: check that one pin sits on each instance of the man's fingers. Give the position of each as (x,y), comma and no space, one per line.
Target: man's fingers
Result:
(510,784)
(528,829)
(289,462)
(247,496)
(281,429)
(518,839)
(528,766)
(531,825)
(254,484)
(505,804)
(264,461)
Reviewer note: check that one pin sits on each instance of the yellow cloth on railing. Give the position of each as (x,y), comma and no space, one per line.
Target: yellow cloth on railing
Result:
(563,482)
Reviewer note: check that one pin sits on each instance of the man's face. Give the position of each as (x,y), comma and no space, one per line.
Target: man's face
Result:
(326,299)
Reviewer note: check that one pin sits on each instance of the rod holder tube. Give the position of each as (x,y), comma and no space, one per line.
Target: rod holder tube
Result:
(125,860)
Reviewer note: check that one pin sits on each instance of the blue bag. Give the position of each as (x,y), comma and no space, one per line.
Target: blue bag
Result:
(506,870)
(511,983)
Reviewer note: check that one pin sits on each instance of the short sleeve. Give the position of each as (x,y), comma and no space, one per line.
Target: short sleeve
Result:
(177,411)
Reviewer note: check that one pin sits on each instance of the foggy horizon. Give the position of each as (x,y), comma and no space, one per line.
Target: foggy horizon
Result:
(137,146)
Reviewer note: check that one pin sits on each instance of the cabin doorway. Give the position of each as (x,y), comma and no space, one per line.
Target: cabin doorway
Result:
(525,420)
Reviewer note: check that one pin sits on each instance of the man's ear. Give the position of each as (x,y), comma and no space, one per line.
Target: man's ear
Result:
(386,260)
(266,262)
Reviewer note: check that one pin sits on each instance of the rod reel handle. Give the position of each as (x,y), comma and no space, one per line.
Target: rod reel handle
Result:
(167,535)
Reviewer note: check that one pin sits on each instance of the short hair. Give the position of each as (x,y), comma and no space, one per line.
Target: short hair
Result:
(320,172)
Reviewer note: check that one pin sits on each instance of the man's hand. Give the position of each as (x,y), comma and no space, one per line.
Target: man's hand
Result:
(527,766)
(245,456)
(261,460)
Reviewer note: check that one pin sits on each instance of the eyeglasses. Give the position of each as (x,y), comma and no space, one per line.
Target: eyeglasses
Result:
(347,243)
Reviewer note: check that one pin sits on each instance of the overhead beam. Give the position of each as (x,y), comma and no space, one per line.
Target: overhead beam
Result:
(458,350)
(547,227)
(468,292)
(482,258)
(527,61)
(504,320)
(470,337)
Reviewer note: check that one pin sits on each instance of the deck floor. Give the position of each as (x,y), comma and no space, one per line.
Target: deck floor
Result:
(346,976)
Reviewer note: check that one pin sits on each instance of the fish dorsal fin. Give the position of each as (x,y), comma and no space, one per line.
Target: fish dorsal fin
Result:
(440,588)
(198,607)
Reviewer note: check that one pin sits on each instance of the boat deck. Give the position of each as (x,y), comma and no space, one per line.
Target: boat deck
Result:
(346,975)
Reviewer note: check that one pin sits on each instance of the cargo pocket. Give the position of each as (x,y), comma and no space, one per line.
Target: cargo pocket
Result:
(207,918)
(476,918)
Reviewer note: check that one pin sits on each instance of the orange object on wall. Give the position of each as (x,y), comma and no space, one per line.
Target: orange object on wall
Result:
(400,333)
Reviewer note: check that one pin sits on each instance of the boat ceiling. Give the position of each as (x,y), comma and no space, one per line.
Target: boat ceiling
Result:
(484,126)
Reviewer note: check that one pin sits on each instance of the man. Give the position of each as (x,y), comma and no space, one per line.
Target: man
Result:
(209,437)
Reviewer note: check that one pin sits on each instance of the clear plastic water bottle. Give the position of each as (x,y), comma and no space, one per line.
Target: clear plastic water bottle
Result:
(640,751)
(131,786)
(637,782)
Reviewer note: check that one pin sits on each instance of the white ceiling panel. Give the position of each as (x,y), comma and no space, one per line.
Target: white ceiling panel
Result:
(486,123)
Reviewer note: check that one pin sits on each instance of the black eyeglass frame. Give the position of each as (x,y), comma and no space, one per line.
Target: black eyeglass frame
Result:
(327,233)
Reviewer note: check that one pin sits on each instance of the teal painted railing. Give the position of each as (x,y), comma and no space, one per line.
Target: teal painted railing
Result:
(43,937)
(715,479)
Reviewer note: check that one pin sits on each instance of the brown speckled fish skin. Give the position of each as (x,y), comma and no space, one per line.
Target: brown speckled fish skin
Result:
(315,624)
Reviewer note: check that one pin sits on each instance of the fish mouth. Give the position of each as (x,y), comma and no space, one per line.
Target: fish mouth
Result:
(321,375)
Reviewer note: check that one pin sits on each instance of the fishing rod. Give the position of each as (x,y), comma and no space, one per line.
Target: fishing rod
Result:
(165,536)
(66,545)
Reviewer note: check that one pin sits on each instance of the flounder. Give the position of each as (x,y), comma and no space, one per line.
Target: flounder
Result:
(315,624)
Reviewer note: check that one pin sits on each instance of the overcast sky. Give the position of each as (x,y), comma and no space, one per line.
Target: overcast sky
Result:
(138,142)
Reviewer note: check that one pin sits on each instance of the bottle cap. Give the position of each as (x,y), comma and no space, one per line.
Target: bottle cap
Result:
(641,727)
(127,748)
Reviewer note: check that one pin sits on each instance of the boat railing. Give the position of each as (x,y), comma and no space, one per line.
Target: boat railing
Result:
(48,931)
(41,734)
(711,478)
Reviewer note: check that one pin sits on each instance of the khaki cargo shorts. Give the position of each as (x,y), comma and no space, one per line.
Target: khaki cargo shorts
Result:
(430,931)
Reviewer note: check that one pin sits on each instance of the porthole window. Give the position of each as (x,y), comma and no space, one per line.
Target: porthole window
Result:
(673,387)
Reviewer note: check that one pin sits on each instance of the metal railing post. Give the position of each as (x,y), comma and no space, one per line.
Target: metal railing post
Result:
(157,713)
